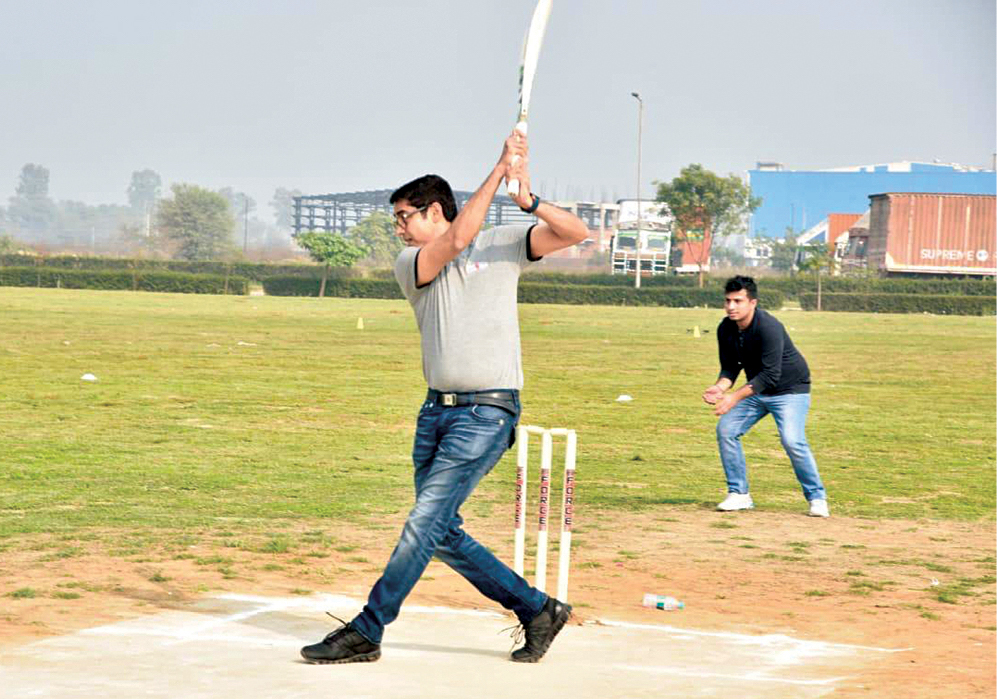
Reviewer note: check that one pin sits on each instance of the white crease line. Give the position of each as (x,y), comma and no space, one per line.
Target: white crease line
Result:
(453,612)
(193,632)
(753,676)
(291,601)
(162,633)
(766,640)
(322,602)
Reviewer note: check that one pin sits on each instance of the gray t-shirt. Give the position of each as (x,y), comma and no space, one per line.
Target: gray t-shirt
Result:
(467,315)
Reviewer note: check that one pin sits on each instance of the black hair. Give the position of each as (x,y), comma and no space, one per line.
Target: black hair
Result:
(737,283)
(426,190)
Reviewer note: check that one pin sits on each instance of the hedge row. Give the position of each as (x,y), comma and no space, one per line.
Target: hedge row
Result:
(939,304)
(874,285)
(628,296)
(529,292)
(343,288)
(137,280)
(669,280)
(257,271)
(792,287)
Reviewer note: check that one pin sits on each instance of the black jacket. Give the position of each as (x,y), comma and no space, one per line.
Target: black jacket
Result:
(770,361)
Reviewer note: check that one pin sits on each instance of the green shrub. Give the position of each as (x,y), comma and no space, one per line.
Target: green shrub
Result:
(961,287)
(134,280)
(529,292)
(791,287)
(939,304)
(668,280)
(383,274)
(255,271)
(344,288)
(691,297)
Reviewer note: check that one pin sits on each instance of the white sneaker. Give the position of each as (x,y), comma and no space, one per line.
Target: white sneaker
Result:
(736,501)
(818,508)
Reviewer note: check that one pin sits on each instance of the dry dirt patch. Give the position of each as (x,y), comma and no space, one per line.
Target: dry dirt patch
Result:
(927,586)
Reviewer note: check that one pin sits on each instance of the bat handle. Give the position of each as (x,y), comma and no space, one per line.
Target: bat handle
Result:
(513,185)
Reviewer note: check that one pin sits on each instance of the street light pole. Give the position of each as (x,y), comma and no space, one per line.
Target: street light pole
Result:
(245,224)
(640,123)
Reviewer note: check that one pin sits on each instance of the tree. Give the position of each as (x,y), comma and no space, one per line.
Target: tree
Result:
(31,208)
(76,218)
(376,233)
(330,249)
(816,258)
(237,202)
(784,253)
(198,221)
(136,238)
(705,206)
(726,256)
(145,188)
(283,207)
(34,182)
(241,205)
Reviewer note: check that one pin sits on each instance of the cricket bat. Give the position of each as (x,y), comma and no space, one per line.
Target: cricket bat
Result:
(528,70)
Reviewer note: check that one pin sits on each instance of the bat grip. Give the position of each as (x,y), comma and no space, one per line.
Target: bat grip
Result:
(513,185)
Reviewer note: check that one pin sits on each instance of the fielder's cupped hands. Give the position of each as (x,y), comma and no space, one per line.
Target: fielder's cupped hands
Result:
(724,404)
(712,394)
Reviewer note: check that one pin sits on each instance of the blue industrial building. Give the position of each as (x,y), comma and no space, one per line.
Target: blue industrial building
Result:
(799,199)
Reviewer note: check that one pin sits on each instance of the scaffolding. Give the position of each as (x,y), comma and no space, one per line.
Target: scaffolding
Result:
(340,212)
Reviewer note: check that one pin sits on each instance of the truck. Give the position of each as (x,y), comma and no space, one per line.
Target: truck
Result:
(653,239)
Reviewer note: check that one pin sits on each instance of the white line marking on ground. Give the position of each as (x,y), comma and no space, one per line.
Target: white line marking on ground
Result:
(193,633)
(785,649)
(322,602)
(197,632)
(166,634)
(766,640)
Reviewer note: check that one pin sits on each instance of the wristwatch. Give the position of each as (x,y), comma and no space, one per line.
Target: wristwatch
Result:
(533,206)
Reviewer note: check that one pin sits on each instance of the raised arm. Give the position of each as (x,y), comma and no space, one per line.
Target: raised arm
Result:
(438,252)
(558,228)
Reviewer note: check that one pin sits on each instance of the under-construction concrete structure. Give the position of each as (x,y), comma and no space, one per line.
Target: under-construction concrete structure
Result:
(340,212)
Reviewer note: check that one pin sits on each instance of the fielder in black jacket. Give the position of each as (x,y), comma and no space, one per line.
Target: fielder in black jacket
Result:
(778,382)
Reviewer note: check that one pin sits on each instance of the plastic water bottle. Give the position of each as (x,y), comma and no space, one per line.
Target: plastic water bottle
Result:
(662,602)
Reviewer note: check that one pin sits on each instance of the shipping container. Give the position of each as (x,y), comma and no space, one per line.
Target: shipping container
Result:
(838,225)
(933,234)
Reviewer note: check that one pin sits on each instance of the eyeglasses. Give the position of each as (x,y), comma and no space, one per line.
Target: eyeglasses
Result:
(402,217)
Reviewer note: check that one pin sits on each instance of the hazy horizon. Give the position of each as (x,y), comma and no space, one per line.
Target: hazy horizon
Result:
(334,96)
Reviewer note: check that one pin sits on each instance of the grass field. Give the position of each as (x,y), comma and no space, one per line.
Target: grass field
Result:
(261,445)
(251,412)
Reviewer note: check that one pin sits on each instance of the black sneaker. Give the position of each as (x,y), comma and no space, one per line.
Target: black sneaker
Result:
(344,645)
(541,630)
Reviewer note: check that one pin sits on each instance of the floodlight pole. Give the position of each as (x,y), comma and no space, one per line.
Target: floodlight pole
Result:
(640,122)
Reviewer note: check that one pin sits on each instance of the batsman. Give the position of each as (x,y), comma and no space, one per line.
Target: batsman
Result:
(462,285)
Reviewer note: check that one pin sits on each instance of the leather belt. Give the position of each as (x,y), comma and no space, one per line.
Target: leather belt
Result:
(499,399)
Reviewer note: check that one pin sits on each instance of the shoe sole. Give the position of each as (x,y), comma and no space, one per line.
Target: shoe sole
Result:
(559,623)
(735,509)
(362,658)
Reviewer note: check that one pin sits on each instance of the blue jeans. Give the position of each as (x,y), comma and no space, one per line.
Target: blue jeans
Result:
(790,413)
(454,449)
